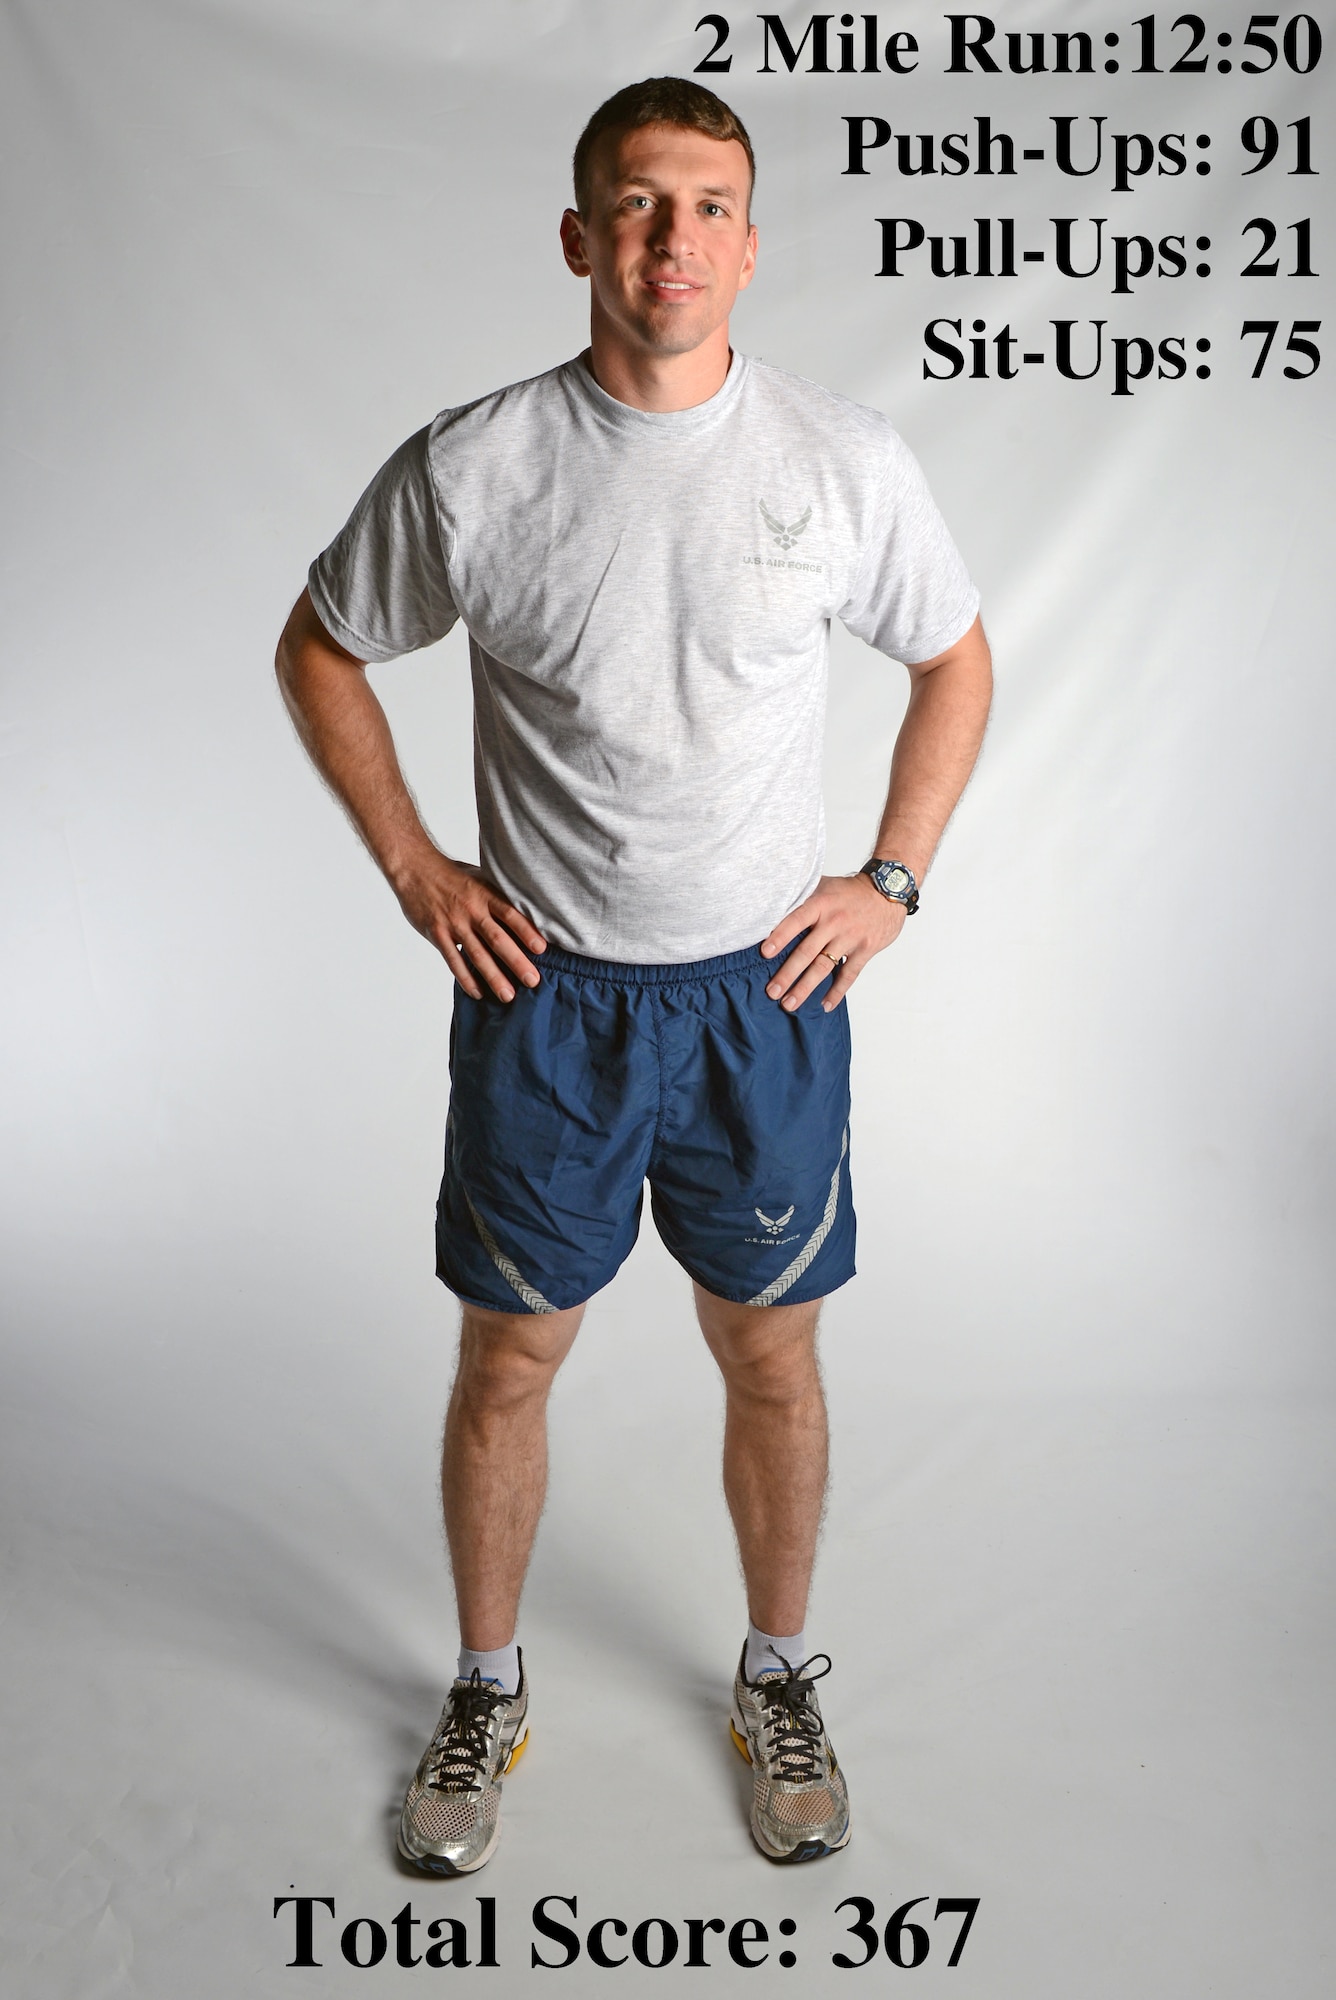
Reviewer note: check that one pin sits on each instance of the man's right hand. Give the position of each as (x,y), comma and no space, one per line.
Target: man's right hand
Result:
(471,924)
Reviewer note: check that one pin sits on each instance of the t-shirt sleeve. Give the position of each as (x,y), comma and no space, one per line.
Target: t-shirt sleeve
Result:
(912,596)
(382,586)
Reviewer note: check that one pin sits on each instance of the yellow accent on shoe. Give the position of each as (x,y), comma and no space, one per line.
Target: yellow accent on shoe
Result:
(516,1753)
(739,1742)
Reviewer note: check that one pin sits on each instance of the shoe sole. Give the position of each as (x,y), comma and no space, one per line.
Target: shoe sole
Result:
(437,1864)
(806,1850)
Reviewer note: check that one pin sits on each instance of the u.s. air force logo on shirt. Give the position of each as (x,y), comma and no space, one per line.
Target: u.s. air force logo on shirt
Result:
(785,534)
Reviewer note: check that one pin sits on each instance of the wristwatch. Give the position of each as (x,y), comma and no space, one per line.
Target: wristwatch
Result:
(894,881)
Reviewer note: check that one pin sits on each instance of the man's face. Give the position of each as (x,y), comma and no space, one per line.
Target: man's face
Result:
(666,243)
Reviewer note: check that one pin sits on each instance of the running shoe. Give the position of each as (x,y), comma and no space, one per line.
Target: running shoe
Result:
(451,1819)
(800,1804)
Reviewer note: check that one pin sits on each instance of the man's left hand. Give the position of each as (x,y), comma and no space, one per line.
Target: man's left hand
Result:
(844,918)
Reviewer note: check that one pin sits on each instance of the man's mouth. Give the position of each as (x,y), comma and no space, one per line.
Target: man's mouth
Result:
(672,285)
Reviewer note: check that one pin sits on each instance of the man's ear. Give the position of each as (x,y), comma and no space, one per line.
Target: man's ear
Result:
(572,243)
(748,271)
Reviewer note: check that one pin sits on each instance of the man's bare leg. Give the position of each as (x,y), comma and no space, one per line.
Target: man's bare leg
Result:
(494,1460)
(775,1448)
(775,1483)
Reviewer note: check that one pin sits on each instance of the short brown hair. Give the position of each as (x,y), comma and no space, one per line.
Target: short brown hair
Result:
(659,100)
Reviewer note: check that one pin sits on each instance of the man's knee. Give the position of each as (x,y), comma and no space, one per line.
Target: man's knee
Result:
(506,1359)
(768,1352)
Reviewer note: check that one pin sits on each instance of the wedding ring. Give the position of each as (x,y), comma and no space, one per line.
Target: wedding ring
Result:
(831,956)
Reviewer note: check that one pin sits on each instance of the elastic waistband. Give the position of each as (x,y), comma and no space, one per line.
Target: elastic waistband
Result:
(554,959)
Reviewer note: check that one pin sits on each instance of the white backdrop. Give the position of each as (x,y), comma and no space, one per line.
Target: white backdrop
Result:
(1080,1530)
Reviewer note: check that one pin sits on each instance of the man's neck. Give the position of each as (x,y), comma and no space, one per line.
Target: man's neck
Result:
(659,382)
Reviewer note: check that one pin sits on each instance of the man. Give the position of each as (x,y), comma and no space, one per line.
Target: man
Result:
(646,546)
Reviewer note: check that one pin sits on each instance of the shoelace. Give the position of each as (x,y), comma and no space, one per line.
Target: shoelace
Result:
(459,1748)
(794,1729)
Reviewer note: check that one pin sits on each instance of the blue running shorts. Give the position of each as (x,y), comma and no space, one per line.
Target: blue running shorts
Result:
(565,1100)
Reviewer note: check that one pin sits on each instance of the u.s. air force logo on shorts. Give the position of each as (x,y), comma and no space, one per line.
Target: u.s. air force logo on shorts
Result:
(566,1100)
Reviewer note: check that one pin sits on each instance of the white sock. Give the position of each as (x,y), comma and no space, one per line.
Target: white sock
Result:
(501,1666)
(762,1648)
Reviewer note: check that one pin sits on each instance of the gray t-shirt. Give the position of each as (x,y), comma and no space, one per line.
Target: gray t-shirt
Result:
(648,599)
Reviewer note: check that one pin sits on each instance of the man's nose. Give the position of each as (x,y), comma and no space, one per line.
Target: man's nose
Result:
(672,232)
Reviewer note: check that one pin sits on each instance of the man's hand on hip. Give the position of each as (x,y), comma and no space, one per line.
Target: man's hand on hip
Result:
(471,924)
(844,918)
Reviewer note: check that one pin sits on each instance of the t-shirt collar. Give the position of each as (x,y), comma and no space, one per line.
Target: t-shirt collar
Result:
(657,423)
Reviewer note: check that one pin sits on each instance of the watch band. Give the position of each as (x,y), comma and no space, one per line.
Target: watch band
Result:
(883,874)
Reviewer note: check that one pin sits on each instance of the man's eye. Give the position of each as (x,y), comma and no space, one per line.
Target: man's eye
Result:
(713,208)
(639,201)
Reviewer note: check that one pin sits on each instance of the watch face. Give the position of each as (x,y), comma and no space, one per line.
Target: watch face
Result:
(894,880)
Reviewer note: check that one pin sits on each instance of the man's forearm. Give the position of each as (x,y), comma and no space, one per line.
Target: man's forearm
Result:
(347,737)
(936,750)
(846,921)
